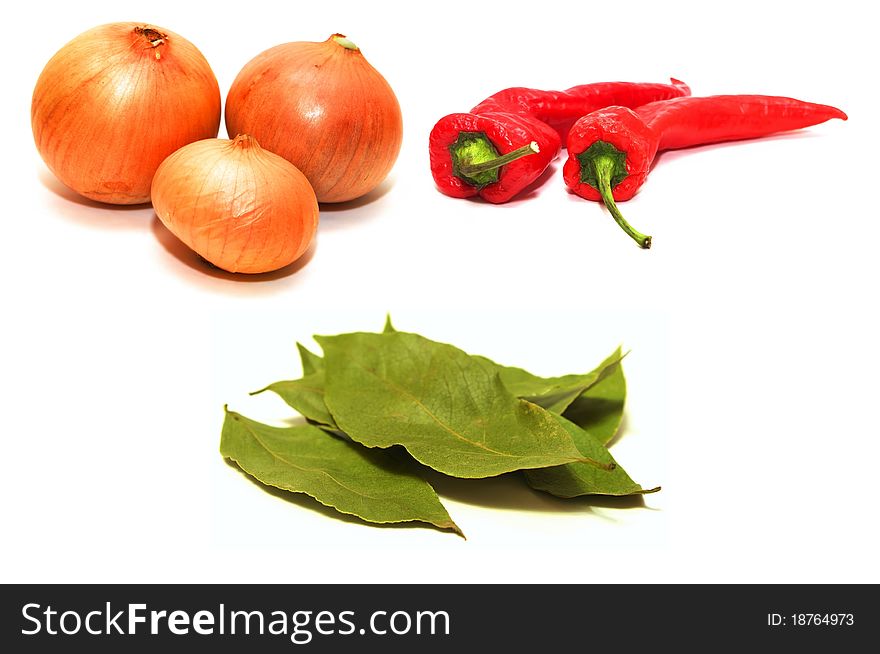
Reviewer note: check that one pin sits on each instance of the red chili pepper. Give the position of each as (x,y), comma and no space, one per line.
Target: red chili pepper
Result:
(560,109)
(610,151)
(504,143)
(494,155)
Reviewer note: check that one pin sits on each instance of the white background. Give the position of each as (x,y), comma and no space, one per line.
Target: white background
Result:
(753,373)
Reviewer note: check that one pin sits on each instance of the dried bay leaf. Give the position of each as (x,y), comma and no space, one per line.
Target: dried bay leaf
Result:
(449,410)
(311,362)
(344,475)
(552,393)
(555,393)
(599,409)
(576,479)
(567,393)
(306,395)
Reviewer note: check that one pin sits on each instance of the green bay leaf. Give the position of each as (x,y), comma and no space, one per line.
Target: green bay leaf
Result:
(576,479)
(449,410)
(352,479)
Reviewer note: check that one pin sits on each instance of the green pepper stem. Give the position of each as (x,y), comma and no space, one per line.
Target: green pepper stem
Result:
(469,170)
(604,167)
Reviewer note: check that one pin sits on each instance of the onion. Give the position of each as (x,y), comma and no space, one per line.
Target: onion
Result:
(325,109)
(114,102)
(239,206)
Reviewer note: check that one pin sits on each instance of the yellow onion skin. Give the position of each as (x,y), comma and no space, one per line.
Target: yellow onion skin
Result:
(113,103)
(325,109)
(239,206)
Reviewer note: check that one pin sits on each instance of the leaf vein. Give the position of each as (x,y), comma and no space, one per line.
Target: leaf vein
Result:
(430,414)
(304,468)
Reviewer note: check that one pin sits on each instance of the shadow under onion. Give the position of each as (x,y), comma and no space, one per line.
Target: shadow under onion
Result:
(369,198)
(73,206)
(178,250)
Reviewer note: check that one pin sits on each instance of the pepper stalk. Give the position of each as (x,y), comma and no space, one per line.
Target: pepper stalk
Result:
(603,167)
(476,160)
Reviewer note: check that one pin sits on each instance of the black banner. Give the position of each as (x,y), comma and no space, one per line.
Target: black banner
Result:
(328,618)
